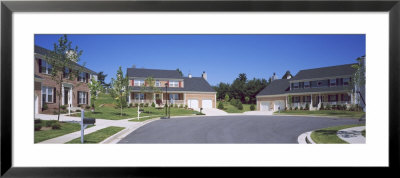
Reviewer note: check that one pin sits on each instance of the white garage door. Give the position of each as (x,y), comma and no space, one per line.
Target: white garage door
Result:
(193,104)
(279,104)
(264,106)
(206,103)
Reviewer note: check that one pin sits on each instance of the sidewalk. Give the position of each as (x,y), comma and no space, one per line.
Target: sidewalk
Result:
(100,124)
(352,135)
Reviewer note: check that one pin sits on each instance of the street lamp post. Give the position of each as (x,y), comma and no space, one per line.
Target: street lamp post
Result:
(166,93)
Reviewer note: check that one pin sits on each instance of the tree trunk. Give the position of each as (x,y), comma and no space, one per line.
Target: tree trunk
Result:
(59,99)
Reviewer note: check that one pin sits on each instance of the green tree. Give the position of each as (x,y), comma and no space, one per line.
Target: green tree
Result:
(226,97)
(120,90)
(95,88)
(101,77)
(358,81)
(150,87)
(180,72)
(62,59)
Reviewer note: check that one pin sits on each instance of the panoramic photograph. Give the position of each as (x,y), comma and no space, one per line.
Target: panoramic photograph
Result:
(199,89)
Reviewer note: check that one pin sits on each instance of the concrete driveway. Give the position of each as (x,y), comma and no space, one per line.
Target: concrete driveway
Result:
(231,129)
(214,112)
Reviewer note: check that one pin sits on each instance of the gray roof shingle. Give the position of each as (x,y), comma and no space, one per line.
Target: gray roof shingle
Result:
(276,87)
(194,84)
(43,51)
(155,73)
(325,72)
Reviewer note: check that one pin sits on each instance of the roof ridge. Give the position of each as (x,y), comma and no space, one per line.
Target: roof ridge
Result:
(328,67)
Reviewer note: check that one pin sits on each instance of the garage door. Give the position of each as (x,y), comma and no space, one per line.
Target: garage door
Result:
(194,104)
(264,106)
(279,104)
(206,103)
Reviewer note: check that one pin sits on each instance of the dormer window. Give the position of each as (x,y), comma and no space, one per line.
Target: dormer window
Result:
(82,77)
(306,84)
(332,82)
(173,83)
(139,83)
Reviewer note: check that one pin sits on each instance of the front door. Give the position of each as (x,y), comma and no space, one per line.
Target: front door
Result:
(66,95)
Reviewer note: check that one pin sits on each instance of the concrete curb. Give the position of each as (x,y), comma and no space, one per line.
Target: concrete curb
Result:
(315,116)
(352,135)
(123,133)
(305,138)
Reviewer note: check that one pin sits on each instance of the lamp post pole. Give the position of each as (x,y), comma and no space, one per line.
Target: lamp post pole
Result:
(166,93)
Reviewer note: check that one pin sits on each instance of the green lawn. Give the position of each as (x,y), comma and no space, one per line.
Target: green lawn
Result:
(328,135)
(233,109)
(66,128)
(98,136)
(108,110)
(334,113)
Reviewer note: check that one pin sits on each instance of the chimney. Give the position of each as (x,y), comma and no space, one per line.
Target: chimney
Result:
(204,75)
(273,77)
(190,75)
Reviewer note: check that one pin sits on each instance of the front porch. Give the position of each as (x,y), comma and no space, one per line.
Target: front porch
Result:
(149,98)
(316,101)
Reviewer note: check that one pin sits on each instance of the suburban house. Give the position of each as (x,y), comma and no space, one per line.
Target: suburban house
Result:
(74,92)
(312,87)
(195,92)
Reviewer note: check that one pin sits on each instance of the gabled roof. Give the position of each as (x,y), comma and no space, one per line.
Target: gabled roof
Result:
(276,87)
(325,72)
(155,73)
(194,84)
(43,51)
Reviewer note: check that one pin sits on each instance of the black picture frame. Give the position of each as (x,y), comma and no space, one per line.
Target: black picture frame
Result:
(8,7)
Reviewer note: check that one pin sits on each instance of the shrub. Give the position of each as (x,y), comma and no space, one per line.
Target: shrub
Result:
(158,102)
(181,106)
(45,107)
(252,107)
(130,105)
(338,107)
(344,107)
(87,107)
(307,107)
(38,127)
(141,104)
(234,102)
(136,104)
(220,105)
(328,107)
(322,106)
(296,108)
(153,104)
(186,106)
(63,107)
(146,105)
(55,126)
(38,121)
(301,107)
(240,106)
(49,123)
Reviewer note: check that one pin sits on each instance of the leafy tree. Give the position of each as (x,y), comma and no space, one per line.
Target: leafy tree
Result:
(120,90)
(150,87)
(180,72)
(220,105)
(226,97)
(95,88)
(101,77)
(63,57)
(359,76)
(287,74)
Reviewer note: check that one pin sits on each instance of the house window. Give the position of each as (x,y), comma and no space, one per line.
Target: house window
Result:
(306,84)
(139,83)
(47,94)
(82,77)
(295,85)
(307,98)
(332,98)
(66,73)
(346,81)
(332,82)
(46,67)
(82,97)
(296,99)
(345,97)
(173,83)
(173,96)
(158,84)
(139,96)
(319,83)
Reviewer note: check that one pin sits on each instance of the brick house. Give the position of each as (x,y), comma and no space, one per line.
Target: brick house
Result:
(195,92)
(313,87)
(75,92)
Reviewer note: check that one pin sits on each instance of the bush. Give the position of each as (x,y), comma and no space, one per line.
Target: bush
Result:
(181,106)
(45,107)
(38,127)
(63,107)
(186,106)
(56,126)
(87,107)
(136,104)
(130,105)
(301,107)
(322,106)
(344,107)
(338,107)
(38,121)
(153,104)
(328,107)
(220,105)
(252,107)
(240,106)
(234,102)
(158,102)
(296,108)
(146,105)
(141,104)
(307,107)
(78,110)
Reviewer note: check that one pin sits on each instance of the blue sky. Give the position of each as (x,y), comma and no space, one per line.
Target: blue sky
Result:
(222,57)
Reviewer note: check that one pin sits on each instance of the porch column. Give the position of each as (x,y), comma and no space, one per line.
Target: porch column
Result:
(319,104)
(129,99)
(184,99)
(311,105)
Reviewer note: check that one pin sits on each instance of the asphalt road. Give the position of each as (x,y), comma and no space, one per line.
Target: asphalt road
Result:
(231,129)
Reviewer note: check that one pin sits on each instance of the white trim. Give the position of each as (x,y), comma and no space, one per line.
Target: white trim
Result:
(324,78)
